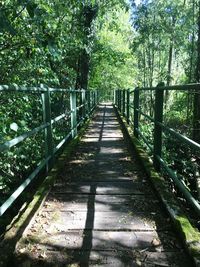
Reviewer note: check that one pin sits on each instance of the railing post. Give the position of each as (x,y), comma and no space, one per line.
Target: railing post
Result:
(120,100)
(124,103)
(73,113)
(46,104)
(121,96)
(136,111)
(93,93)
(88,102)
(92,100)
(158,117)
(128,106)
(83,103)
(97,96)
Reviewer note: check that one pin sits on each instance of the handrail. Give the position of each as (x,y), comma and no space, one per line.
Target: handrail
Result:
(125,103)
(75,114)
(183,87)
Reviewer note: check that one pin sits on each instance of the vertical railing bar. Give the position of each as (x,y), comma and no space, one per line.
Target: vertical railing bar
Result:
(88,102)
(84,103)
(49,148)
(128,106)
(121,104)
(158,117)
(118,104)
(124,105)
(136,113)
(73,113)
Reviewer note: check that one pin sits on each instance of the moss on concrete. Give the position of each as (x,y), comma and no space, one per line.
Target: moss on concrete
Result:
(189,235)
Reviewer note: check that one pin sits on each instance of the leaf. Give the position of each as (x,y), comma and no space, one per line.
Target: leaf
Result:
(5,25)
(156,242)
(31,9)
(43,255)
(14,126)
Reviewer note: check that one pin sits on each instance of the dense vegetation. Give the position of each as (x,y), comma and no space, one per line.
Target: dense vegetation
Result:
(101,45)
(167,48)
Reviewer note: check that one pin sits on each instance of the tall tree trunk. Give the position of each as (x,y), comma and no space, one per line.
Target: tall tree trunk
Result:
(191,69)
(83,70)
(170,63)
(89,13)
(170,59)
(144,72)
(196,103)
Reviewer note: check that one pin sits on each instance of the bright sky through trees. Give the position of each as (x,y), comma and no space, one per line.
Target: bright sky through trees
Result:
(137,2)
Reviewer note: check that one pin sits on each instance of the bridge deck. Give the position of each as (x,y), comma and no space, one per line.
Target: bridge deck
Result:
(102,210)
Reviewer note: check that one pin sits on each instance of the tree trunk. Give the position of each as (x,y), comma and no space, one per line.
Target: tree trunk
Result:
(144,72)
(170,63)
(89,13)
(196,102)
(83,70)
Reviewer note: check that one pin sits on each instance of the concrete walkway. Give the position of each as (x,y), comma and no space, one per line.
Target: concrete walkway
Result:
(102,210)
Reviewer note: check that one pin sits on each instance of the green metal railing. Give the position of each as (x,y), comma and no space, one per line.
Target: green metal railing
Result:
(128,102)
(75,114)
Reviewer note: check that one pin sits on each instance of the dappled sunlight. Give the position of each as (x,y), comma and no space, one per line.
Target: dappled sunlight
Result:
(101,209)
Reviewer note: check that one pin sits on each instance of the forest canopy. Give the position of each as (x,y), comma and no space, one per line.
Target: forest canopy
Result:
(71,43)
(64,43)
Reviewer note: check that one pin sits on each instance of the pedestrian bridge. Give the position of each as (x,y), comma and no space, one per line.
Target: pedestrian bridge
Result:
(102,203)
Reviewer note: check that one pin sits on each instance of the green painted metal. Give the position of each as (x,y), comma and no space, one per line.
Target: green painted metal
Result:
(136,113)
(194,145)
(22,187)
(146,116)
(47,128)
(145,140)
(62,142)
(120,100)
(127,106)
(183,87)
(188,196)
(88,102)
(46,101)
(117,98)
(8,144)
(16,88)
(159,128)
(74,114)
(159,99)
(124,102)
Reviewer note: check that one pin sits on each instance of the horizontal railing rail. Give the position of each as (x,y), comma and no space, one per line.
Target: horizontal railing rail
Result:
(129,102)
(75,114)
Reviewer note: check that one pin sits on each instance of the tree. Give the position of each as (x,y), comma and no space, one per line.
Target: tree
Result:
(196,111)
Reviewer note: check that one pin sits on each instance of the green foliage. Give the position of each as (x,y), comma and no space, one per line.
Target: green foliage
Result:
(112,64)
(165,42)
(41,42)
(20,113)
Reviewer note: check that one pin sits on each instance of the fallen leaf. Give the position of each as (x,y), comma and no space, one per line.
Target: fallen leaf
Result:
(156,242)
(22,250)
(43,255)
